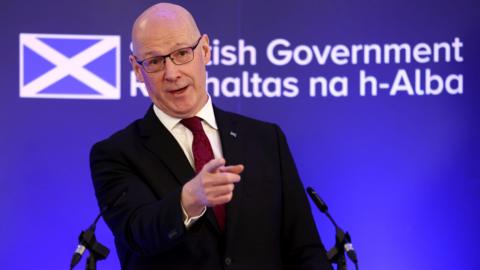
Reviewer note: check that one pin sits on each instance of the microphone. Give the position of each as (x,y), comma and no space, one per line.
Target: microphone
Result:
(343,239)
(87,238)
(317,200)
(322,206)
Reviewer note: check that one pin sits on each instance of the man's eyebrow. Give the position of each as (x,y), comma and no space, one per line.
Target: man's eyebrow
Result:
(180,45)
(151,54)
(176,46)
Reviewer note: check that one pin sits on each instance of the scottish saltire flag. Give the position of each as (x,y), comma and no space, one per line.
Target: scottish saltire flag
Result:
(69,66)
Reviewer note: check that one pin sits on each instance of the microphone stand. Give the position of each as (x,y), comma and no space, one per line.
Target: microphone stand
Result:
(337,253)
(88,241)
(343,241)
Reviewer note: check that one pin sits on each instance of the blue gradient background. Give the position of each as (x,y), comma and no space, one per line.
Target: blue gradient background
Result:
(401,173)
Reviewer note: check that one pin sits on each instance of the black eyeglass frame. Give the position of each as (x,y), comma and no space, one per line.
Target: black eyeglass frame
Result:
(164,57)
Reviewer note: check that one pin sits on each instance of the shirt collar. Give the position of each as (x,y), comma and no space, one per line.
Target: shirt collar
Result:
(206,114)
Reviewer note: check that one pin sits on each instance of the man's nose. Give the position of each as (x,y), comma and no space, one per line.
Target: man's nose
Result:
(170,70)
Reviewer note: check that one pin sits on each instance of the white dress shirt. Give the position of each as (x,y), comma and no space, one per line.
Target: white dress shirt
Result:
(184,138)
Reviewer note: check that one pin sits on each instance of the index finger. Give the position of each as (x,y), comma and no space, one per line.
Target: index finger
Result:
(213,165)
(237,169)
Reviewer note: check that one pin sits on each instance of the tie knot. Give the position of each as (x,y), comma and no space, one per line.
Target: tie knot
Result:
(194,124)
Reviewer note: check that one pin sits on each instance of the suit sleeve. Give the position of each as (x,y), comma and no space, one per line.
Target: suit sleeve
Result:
(140,221)
(303,247)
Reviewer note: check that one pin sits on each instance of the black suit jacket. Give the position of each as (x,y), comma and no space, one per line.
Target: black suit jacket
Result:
(269,224)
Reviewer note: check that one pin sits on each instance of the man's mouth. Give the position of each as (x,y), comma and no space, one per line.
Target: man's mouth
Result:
(178,91)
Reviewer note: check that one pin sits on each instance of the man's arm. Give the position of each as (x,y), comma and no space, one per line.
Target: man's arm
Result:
(141,221)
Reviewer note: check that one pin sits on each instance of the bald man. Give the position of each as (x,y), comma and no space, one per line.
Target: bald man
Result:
(205,188)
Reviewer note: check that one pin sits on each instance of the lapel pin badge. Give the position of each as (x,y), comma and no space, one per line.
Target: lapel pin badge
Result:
(233,134)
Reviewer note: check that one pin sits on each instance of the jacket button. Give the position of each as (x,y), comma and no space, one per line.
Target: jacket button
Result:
(228,261)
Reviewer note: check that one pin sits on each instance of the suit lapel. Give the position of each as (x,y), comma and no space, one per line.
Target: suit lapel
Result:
(231,139)
(161,142)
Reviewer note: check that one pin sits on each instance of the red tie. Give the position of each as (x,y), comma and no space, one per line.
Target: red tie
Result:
(202,153)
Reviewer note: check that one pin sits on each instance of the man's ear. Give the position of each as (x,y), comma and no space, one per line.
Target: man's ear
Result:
(205,48)
(136,68)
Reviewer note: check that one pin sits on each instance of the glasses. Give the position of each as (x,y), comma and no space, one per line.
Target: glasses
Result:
(178,57)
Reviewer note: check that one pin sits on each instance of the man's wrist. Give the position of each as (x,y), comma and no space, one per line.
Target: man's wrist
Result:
(189,205)
(188,221)
(191,211)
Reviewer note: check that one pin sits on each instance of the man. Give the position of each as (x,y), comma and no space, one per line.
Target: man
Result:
(184,207)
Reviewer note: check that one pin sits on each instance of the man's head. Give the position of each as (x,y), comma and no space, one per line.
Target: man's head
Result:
(177,89)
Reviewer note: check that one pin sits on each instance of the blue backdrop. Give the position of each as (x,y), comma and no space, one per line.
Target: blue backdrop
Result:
(379,101)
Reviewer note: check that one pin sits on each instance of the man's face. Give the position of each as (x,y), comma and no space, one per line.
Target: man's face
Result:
(178,90)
